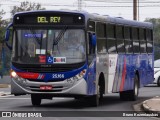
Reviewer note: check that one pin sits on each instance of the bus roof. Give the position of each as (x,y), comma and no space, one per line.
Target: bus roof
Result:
(96,17)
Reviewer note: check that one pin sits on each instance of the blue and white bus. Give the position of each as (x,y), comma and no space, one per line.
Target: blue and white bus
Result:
(78,54)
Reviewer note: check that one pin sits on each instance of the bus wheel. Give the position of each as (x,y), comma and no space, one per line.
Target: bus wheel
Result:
(158,82)
(36,100)
(131,95)
(101,90)
(94,100)
(134,93)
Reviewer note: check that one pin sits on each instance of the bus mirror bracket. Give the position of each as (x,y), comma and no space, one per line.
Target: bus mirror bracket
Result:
(7,34)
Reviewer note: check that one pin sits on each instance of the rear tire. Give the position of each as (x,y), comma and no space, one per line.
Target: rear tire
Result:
(36,100)
(131,95)
(158,82)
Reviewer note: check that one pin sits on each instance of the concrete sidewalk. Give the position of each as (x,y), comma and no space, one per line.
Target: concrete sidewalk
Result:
(152,105)
(5,82)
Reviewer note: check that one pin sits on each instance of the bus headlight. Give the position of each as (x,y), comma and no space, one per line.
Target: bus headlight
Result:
(81,74)
(77,77)
(14,74)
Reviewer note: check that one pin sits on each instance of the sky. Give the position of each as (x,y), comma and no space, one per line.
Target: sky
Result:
(114,8)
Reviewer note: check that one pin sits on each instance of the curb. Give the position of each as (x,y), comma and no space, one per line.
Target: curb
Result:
(4,85)
(3,94)
(149,108)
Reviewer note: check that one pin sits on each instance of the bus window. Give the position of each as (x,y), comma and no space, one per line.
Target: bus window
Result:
(101,30)
(127,33)
(128,41)
(110,29)
(135,40)
(149,41)
(142,41)
(111,45)
(128,46)
(101,45)
(111,41)
(120,39)
(91,26)
(101,37)
(149,35)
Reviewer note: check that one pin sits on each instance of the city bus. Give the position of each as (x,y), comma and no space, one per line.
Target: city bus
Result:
(78,54)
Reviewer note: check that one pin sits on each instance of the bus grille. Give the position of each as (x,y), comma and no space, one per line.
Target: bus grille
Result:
(35,80)
(37,68)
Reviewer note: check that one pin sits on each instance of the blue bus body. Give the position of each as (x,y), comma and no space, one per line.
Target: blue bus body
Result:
(104,70)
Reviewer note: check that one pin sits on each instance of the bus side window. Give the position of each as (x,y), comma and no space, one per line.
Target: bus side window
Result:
(101,37)
(149,37)
(128,41)
(142,40)
(135,39)
(120,39)
(111,41)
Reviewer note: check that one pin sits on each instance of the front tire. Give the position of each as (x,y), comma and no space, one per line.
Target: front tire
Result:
(36,100)
(94,100)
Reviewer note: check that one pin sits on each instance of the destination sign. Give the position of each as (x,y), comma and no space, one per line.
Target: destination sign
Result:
(48,19)
(51,20)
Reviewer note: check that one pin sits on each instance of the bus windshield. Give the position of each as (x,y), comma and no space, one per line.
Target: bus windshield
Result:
(49,46)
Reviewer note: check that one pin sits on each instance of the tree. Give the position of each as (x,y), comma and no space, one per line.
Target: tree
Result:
(2,26)
(156,30)
(26,6)
(156,35)
(2,31)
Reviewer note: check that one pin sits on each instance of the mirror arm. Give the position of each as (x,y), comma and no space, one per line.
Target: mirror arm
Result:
(10,48)
(10,25)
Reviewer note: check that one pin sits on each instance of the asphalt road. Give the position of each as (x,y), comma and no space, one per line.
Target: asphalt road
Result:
(110,102)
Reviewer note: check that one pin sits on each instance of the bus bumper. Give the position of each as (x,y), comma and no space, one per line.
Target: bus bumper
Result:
(61,88)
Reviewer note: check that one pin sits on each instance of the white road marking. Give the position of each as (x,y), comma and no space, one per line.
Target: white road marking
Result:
(8,97)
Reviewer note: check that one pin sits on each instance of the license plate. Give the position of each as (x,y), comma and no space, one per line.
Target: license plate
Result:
(46,87)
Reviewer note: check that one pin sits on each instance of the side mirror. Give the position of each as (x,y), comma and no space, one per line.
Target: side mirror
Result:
(7,35)
(94,39)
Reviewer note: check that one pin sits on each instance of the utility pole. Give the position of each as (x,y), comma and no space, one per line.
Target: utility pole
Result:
(79,5)
(134,9)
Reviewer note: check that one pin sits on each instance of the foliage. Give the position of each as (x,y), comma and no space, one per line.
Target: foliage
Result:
(26,6)
(2,26)
(156,35)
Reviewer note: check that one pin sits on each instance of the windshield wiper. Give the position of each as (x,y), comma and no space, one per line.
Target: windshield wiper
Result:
(39,41)
(60,35)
